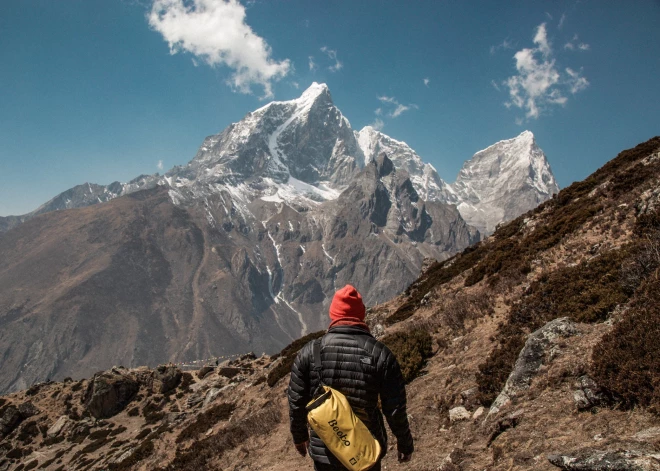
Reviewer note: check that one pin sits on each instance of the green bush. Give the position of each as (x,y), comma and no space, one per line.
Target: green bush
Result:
(411,349)
(288,355)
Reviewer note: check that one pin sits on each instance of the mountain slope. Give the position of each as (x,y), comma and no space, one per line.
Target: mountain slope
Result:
(544,356)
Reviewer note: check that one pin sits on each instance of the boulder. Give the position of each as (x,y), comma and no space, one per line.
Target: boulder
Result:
(57,426)
(211,396)
(228,371)
(166,378)
(589,394)
(538,350)
(109,392)
(10,419)
(478,413)
(459,413)
(600,460)
(203,371)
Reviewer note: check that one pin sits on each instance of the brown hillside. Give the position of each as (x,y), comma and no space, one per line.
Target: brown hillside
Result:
(544,354)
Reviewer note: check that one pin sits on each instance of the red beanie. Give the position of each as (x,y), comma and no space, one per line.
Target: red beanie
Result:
(347,304)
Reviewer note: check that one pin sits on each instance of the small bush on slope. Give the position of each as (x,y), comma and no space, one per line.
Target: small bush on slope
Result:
(288,355)
(585,293)
(411,349)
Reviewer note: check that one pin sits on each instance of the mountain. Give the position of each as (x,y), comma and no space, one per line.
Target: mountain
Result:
(501,182)
(240,249)
(534,349)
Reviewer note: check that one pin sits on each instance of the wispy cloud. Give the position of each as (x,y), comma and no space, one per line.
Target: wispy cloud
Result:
(396,108)
(311,63)
(575,43)
(159,165)
(332,54)
(561,21)
(506,44)
(215,32)
(378,124)
(539,84)
(427,81)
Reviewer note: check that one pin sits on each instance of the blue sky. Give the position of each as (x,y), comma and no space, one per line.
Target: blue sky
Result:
(90,90)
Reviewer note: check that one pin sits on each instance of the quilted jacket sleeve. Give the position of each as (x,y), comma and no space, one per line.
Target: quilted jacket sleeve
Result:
(393,401)
(299,395)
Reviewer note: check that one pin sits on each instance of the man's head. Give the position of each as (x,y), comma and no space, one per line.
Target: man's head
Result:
(347,305)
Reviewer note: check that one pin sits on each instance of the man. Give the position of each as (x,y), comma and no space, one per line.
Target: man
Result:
(361,368)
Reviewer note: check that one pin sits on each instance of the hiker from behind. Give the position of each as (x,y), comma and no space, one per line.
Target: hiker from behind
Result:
(363,369)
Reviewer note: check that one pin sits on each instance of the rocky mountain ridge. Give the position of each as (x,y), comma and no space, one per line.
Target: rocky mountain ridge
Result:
(304,151)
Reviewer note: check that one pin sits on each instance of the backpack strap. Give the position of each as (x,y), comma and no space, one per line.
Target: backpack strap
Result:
(318,367)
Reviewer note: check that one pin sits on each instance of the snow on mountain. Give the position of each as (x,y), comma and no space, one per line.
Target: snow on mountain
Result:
(423,176)
(304,152)
(503,181)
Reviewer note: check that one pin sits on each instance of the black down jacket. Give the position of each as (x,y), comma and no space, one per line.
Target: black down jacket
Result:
(363,369)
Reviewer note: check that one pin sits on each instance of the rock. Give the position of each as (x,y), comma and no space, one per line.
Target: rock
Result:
(108,393)
(589,394)
(228,371)
(166,378)
(57,426)
(538,349)
(194,400)
(459,413)
(211,395)
(9,421)
(27,409)
(478,413)
(203,371)
(469,398)
(599,460)
(248,356)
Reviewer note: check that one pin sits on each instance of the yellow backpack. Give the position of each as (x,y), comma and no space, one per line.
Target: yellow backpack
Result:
(344,434)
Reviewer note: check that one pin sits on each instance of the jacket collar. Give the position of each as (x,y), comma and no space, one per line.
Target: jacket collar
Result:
(348,329)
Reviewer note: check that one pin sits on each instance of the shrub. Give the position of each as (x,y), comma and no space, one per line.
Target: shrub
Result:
(206,420)
(186,380)
(411,349)
(134,411)
(288,355)
(627,360)
(585,293)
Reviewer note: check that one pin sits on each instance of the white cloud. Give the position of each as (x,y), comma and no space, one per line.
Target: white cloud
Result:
(539,84)
(378,111)
(573,43)
(397,109)
(495,85)
(215,32)
(312,64)
(332,54)
(576,82)
(295,85)
(427,81)
(541,39)
(378,124)
(561,21)
(506,44)
(159,165)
